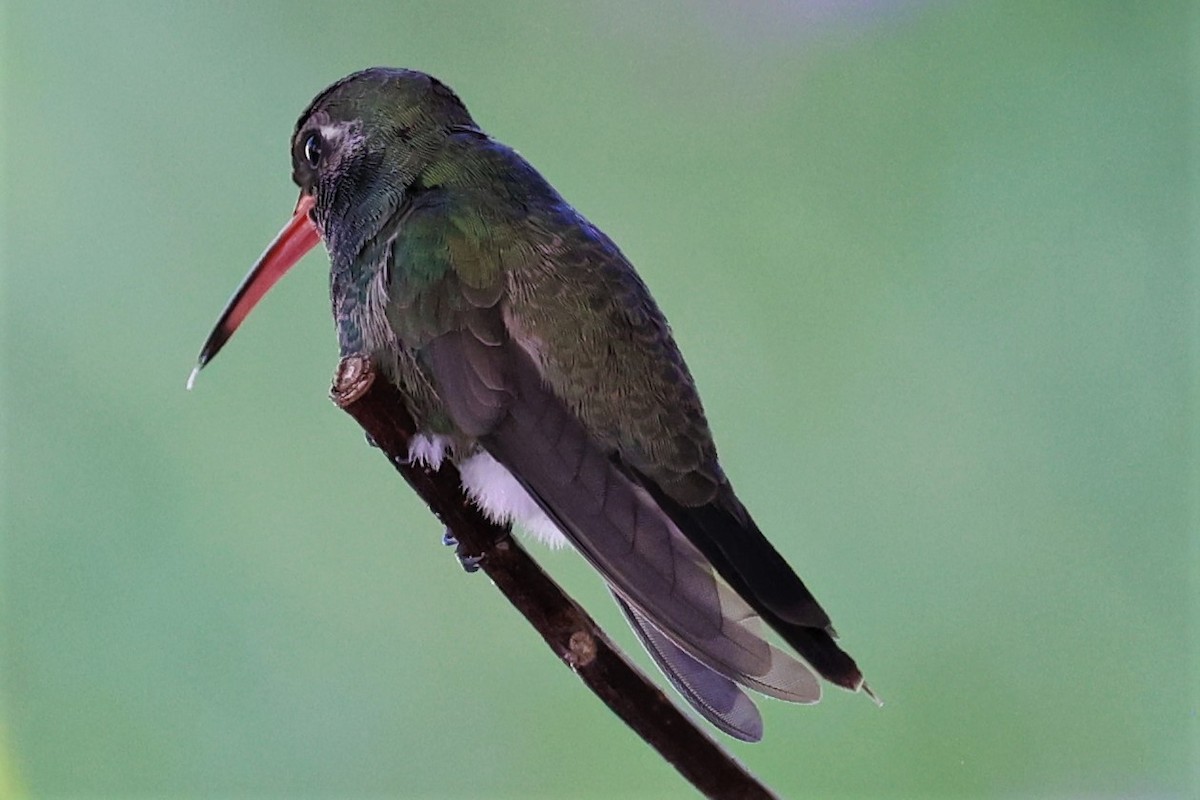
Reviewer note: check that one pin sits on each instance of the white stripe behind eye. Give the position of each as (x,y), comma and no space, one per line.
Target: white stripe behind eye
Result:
(342,136)
(332,133)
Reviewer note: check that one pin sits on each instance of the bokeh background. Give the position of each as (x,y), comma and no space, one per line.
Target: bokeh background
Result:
(934,268)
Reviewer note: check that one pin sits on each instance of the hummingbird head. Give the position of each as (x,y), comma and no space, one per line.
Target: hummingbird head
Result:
(357,150)
(362,143)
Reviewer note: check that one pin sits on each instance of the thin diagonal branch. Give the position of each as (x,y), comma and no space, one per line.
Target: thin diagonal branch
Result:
(573,636)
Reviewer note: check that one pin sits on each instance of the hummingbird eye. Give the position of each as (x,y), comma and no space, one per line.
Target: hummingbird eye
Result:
(312,149)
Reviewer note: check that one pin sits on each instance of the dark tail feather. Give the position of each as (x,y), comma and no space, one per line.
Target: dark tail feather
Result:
(724,532)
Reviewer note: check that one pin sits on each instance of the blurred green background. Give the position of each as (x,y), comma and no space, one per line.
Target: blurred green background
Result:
(933,265)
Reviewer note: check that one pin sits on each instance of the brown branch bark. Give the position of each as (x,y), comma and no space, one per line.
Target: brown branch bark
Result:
(573,636)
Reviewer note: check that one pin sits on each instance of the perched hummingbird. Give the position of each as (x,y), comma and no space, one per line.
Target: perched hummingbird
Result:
(532,355)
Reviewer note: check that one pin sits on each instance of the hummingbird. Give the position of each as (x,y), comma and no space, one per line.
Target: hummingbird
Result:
(531,354)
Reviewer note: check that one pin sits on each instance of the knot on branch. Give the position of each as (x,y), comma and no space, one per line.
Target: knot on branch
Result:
(581,650)
(351,381)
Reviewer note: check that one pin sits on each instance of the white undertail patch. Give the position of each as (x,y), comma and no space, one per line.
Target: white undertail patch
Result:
(429,449)
(504,500)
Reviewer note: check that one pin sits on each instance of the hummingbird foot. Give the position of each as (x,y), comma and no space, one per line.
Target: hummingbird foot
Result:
(469,563)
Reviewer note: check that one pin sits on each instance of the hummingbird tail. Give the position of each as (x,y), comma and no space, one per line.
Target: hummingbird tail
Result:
(714,696)
(727,536)
(713,687)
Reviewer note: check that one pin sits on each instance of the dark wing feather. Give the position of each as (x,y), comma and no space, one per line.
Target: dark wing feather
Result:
(471,378)
(700,631)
